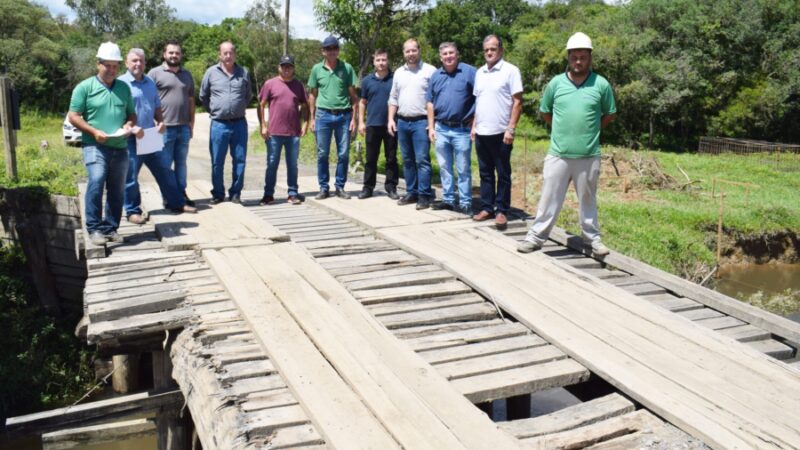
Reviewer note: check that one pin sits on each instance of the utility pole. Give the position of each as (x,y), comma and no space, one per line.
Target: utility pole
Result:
(7,120)
(286,29)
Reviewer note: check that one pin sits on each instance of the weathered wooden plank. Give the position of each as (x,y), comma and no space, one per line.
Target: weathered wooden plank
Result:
(164,271)
(339,414)
(627,281)
(119,309)
(352,249)
(486,332)
(307,237)
(138,325)
(411,292)
(598,432)
(521,380)
(478,349)
(391,271)
(88,413)
(720,323)
(174,238)
(246,386)
(264,422)
(646,288)
(98,434)
(478,311)
(166,276)
(465,368)
(603,274)
(132,261)
(673,303)
(745,333)
(266,400)
(300,437)
(771,347)
(665,436)
(700,314)
(432,330)
(366,239)
(406,306)
(571,417)
(144,291)
(246,369)
(377,258)
(428,277)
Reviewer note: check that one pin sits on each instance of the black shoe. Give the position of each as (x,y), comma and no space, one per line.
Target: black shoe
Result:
(323,194)
(216,201)
(392,194)
(407,199)
(443,206)
(465,210)
(365,193)
(188,201)
(341,193)
(236,199)
(301,197)
(423,203)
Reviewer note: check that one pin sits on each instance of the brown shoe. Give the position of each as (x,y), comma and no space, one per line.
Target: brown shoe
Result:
(481,216)
(293,200)
(500,221)
(137,219)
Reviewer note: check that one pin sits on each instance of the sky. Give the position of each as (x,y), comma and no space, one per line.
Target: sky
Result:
(301,14)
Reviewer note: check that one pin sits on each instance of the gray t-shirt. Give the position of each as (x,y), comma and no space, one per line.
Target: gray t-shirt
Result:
(175,89)
(225,97)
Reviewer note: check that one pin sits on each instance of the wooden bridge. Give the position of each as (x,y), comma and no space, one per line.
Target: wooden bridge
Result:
(361,324)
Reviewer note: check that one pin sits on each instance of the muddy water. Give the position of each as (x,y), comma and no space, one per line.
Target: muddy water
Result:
(144,443)
(740,281)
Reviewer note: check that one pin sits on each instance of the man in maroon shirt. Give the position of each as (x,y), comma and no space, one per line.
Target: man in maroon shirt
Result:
(283,104)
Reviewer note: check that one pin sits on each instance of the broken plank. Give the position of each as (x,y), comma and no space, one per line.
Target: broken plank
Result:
(412,292)
(478,311)
(487,332)
(598,432)
(384,281)
(480,349)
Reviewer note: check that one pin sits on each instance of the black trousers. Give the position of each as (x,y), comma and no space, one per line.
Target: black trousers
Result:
(494,157)
(374,137)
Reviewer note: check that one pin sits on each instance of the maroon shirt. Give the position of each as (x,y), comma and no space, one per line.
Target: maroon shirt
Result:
(284,99)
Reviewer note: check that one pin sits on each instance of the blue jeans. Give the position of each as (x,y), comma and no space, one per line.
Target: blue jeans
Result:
(226,135)
(336,125)
(106,168)
(494,156)
(415,148)
(454,143)
(159,167)
(176,150)
(274,145)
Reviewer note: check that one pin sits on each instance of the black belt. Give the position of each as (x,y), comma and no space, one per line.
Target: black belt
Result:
(456,124)
(230,120)
(413,118)
(336,111)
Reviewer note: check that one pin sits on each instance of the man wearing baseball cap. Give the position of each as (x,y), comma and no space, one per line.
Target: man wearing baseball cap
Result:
(284,123)
(333,104)
(577,104)
(102,108)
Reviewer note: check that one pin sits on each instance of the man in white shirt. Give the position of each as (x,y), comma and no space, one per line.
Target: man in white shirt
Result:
(408,118)
(498,104)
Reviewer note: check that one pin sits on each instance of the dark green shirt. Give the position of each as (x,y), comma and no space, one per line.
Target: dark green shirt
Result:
(332,85)
(577,111)
(104,108)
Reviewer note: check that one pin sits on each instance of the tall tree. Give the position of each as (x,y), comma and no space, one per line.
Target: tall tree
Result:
(120,18)
(368,24)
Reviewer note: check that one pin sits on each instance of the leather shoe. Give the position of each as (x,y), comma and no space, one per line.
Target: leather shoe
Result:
(392,194)
(500,221)
(407,199)
(442,206)
(188,201)
(216,201)
(137,219)
(323,194)
(423,203)
(293,200)
(365,193)
(481,216)
(266,200)
(341,193)
(185,209)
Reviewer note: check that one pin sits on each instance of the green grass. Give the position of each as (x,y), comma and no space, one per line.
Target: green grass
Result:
(57,168)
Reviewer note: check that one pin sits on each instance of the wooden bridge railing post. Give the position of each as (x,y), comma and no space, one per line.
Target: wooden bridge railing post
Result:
(7,120)
(174,431)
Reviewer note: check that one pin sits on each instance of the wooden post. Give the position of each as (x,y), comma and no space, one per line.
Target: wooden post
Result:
(719,226)
(126,373)
(525,173)
(286,29)
(174,431)
(9,135)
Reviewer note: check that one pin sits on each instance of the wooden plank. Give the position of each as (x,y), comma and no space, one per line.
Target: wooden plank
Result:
(144,291)
(745,333)
(118,309)
(337,242)
(265,422)
(720,323)
(174,238)
(486,348)
(131,261)
(378,258)
(603,273)
(300,437)
(497,362)
(773,348)
(164,271)
(478,311)
(411,292)
(386,272)
(138,325)
(337,411)
(521,380)
(259,228)
(623,348)
(646,288)
(757,317)
(665,436)
(442,405)
(432,330)
(98,434)
(673,303)
(384,309)
(598,432)
(303,238)
(700,314)
(571,417)
(484,333)
(165,276)
(427,277)
(266,400)
(351,249)
(88,413)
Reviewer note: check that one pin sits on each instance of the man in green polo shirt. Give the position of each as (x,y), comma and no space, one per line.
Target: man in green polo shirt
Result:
(333,104)
(577,104)
(102,108)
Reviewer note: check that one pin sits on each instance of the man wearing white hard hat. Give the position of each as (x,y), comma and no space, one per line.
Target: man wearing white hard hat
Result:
(577,104)
(102,108)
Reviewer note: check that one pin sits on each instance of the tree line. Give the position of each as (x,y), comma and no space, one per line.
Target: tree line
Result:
(681,69)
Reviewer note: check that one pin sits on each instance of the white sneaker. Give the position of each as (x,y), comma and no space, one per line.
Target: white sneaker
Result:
(599,249)
(528,247)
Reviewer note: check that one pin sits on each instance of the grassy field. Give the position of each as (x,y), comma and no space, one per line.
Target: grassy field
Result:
(55,168)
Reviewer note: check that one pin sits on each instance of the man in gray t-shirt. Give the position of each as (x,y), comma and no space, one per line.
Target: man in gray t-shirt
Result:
(176,91)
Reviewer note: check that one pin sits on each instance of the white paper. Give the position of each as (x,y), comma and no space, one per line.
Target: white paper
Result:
(151,142)
(122,132)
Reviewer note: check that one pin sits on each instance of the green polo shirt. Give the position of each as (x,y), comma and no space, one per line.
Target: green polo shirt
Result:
(576,114)
(332,85)
(104,108)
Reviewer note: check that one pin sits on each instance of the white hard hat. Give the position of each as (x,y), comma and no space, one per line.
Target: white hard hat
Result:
(579,40)
(109,51)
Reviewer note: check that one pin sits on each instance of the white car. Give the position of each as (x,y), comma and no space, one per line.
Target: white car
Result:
(72,135)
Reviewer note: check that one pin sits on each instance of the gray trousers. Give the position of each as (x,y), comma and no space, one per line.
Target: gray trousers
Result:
(558,172)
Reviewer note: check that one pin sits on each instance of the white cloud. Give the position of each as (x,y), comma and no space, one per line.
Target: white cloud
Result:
(301,15)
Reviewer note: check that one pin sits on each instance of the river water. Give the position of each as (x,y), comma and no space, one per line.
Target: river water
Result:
(744,280)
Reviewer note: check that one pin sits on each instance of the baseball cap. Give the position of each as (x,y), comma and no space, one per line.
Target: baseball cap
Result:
(287,59)
(330,41)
